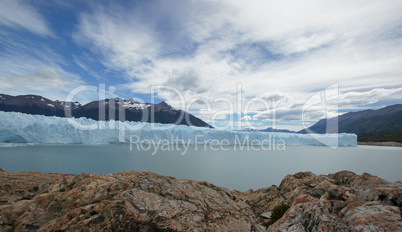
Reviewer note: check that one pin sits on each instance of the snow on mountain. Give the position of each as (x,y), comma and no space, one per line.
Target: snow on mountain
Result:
(25,128)
(130,111)
(131,104)
(75,105)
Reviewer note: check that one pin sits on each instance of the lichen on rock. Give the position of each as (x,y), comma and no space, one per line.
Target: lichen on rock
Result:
(145,201)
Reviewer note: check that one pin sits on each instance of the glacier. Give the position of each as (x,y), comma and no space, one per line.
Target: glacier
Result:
(25,128)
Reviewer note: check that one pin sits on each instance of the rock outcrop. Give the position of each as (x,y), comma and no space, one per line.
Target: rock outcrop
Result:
(126,201)
(144,201)
(342,201)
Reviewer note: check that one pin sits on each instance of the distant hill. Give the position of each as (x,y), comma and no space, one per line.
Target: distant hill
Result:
(395,136)
(387,119)
(133,111)
(269,129)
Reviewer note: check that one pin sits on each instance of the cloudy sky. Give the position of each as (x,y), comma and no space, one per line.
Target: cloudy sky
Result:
(228,62)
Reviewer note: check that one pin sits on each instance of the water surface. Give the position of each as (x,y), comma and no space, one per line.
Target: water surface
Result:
(234,169)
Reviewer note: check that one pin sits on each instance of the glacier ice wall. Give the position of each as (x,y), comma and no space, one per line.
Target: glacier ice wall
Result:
(24,128)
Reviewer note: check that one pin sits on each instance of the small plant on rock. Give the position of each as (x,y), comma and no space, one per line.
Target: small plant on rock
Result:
(277,213)
(337,182)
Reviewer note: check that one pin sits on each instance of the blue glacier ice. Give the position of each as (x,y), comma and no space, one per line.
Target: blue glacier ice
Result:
(24,128)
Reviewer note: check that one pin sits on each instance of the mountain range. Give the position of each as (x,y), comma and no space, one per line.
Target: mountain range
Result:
(382,125)
(384,122)
(115,108)
(367,121)
(269,129)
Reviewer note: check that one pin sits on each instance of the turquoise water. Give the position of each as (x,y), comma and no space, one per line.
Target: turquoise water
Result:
(234,169)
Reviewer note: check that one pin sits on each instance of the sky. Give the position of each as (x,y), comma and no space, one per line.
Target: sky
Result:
(232,63)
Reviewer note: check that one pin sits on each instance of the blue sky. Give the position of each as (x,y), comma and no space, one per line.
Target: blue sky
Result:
(280,52)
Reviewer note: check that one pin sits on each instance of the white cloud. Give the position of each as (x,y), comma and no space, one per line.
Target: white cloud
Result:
(345,100)
(40,80)
(37,72)
(304,43)
(20,15)
(48,82)
(292,48)
(353,99)
(247,118)
(122,37)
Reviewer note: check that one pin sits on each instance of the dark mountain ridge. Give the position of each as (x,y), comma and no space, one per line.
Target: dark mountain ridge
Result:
(269,129)
(387,119)
(115,108)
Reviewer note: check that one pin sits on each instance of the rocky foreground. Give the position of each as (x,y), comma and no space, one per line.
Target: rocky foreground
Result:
(144,201)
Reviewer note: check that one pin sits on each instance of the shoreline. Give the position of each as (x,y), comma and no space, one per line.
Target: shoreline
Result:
(388,144)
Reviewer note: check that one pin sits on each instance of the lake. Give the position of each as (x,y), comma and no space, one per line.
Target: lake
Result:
(231,168)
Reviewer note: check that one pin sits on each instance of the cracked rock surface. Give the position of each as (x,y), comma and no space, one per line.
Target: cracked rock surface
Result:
(144,201)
